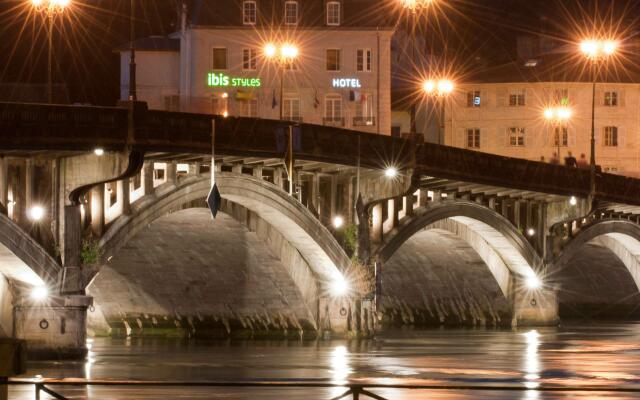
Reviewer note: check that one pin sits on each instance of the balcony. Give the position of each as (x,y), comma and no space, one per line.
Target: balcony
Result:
(296,119)
(333,121)
(364,121)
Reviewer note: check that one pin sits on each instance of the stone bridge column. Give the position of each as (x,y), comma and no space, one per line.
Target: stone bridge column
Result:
(533,307)
(57,328)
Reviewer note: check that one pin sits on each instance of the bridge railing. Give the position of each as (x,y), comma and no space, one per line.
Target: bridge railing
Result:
(49,127)
(353,390)
(476,167)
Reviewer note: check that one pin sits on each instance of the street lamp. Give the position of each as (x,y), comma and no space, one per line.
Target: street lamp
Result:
(596,51)
(557,116)
(439,89)
(415,5)
(50,8)
(284,55)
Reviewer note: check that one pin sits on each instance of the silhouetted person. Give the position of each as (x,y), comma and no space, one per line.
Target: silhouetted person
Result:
(582,162)
(554,159)
(570,160)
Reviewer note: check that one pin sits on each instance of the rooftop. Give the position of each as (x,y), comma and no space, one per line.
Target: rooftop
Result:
(312,14)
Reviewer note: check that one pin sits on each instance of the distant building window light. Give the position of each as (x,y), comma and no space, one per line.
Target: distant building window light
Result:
(611,99)
(249,12)
(291,13)
(473,98)
(333,13)
(531,63)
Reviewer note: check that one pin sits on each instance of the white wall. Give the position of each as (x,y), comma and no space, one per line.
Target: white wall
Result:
(157,76)
(495,116)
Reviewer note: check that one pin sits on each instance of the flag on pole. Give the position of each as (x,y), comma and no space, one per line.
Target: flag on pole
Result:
(214,200)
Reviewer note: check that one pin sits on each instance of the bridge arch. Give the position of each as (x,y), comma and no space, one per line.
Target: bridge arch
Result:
(476,224)
(462,239)
(585,267)
(312,257)
(23,259)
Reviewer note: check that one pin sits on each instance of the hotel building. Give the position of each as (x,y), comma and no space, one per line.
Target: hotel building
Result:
(216,63)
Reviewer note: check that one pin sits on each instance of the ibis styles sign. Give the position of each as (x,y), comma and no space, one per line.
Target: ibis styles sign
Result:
(222,80)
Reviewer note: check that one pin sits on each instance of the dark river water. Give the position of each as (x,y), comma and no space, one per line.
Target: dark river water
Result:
(573,356)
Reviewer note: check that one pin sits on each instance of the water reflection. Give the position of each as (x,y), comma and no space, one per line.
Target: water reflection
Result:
(531,359)
(569,356)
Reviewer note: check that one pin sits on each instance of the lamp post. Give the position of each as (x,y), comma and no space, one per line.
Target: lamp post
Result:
(414,7)
(556,116)
(50,8)
(596,51)
(439,89)
(283,55)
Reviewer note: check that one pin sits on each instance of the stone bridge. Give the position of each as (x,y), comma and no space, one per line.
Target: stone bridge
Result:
(105,208)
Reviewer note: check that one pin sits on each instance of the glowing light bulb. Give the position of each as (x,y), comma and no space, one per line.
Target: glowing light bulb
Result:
(98,151)
(339,286)
(338,222)
(533,282)
(39,293)
(391,172)
(531,231)
(36,213)
(270,50)
(573,201)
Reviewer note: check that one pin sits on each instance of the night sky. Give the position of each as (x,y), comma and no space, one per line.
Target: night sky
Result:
(463,29)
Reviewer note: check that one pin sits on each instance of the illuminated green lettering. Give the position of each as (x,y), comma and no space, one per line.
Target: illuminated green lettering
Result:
(221,80)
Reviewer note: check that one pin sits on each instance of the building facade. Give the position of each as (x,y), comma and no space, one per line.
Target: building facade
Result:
(510,119)
(217,63)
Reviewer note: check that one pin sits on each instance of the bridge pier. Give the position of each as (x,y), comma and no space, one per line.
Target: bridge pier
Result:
(533,307)
(56,330)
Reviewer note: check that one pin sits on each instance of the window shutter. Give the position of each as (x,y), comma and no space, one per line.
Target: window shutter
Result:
(599,135)
(571,139)
(501,97)
(460,139)
(621,98)
(484,98)
(599,96)
(622,137)
(503,132)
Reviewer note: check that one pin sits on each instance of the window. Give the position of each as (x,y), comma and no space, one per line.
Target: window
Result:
(473,138)
(333,110)
(364,110)
(561,96)
(333,13)
(610,169)
(333,60)
(219,56)
(363,60)
(249,108)
(516,136)
(291,13)
(249,12)
(517,98)
(249,57)
(291,109)
(473,98)
(611,136)
(561,136)
(219,104)
(611,99)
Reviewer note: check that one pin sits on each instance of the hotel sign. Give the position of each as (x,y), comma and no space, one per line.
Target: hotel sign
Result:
(222,80)
(346,83)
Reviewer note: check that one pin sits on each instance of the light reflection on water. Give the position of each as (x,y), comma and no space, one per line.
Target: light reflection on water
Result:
(570,356)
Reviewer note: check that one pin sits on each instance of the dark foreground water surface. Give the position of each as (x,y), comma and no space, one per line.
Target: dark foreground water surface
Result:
(605,355)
